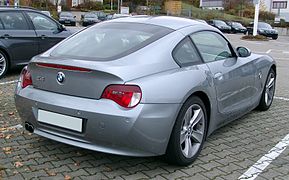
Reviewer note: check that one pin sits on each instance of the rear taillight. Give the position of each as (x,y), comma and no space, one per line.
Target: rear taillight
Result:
(25,78)
(127,96)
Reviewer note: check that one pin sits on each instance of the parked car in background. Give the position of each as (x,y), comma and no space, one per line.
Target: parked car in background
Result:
(46,13)
(67,18)
(201,20)
(237,27)
(116,16)
(25,33)
(90,19)
(221,25)
(150,86)
(100,14)
(263,29)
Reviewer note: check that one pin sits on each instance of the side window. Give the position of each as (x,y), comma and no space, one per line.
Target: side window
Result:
(13,21)
(42,22)
(185,54)
(212,46)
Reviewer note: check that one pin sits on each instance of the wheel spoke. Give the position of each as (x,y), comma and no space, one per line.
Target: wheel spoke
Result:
(190,152)
(266,97)
(270,95)
(188,116)
(197,136)
(183,137)
(270,83)
(188,147)
(196,118)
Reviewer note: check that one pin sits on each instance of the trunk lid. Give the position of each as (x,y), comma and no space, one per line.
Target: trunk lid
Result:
(78,80)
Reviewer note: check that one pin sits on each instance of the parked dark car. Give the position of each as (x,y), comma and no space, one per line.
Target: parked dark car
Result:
(201,20)
(67,18)
(100,14)
(264,29)
(221,25)
(25,33)
(237,27)
(46,13)
(116,16)
(90,19)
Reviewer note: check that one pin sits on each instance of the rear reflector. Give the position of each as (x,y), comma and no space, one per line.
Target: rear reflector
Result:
(127,96)
(64,67)
(25,78)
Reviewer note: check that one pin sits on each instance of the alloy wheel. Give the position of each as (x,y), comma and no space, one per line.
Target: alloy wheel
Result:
(270,87)
(192,130)
(3,64)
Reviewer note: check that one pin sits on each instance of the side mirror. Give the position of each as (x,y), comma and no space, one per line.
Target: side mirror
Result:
(74,16)
(243,52)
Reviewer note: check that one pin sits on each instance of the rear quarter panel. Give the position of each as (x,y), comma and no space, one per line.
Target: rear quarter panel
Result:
(263,64)
(176,86)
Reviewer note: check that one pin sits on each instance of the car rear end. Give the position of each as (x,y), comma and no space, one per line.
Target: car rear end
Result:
(95,104)
(268,33)
(67,18)
(91,115)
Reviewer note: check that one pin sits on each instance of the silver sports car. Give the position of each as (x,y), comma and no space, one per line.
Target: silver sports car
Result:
(143,86)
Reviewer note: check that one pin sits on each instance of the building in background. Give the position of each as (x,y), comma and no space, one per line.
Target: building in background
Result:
(280,8)
(212,4)
(72,3)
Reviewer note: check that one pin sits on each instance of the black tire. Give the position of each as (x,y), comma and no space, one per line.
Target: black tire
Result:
(275,37)
(265,104)
(4,64)
(174,153)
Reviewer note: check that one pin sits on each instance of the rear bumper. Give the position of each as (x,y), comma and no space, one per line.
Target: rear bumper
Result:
(68,22)
(268,35)
(240,31)
(88,23)
(142,131)
(225,30)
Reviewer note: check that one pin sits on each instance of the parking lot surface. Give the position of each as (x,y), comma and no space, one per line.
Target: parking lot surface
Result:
(229,153)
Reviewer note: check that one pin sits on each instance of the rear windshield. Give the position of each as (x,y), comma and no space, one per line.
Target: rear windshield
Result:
(65,14)
(109,41)
(264,25)
(90,16)
(238,25)
(220,23)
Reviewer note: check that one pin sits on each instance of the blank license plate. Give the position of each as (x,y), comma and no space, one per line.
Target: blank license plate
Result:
(60,120)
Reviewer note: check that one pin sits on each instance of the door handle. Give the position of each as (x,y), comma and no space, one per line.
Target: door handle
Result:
(43,36)
(218,76)
(5,36)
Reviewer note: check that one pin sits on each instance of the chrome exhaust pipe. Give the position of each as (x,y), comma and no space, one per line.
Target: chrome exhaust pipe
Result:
(29,127)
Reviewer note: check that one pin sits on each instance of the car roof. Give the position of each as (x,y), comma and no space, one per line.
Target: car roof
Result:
(165,21)
(12,8)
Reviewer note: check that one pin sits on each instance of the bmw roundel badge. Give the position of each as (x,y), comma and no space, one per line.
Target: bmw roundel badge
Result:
(60,77)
